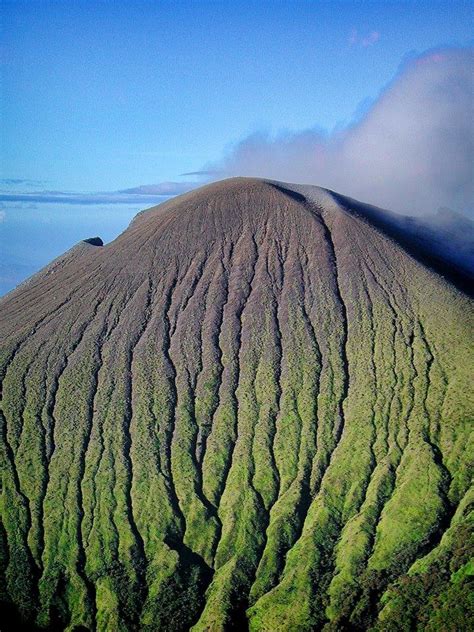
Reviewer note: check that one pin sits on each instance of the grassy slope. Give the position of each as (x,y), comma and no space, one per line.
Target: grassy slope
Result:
(246,411)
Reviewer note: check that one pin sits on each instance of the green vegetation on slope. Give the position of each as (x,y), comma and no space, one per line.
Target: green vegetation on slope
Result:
(250,411)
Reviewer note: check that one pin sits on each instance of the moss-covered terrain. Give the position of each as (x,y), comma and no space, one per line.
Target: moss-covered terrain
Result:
(252,410)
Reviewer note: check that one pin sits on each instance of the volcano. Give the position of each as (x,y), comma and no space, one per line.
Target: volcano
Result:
(252,410)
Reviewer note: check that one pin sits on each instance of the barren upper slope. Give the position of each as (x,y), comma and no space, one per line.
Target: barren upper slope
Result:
(251,408)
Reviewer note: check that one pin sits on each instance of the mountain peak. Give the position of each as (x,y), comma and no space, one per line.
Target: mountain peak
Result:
(252,408)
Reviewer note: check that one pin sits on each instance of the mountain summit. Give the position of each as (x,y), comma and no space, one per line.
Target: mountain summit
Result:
(250,410)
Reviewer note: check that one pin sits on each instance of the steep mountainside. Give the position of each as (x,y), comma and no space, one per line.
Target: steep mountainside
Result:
(253,408)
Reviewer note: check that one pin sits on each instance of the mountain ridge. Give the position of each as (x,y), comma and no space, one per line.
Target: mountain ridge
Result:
(250,409)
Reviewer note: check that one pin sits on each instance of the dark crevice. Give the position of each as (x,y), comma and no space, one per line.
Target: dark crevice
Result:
(339,427)
(139,555)
(201,442)
(236,368)
(34,572)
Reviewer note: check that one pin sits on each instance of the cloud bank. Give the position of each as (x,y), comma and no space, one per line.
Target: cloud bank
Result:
(146,194)
(413,151)
(24,182)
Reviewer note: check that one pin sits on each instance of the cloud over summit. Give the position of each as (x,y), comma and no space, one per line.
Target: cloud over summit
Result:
(413,150)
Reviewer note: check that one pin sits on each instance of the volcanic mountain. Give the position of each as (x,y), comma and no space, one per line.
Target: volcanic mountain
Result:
(252,410)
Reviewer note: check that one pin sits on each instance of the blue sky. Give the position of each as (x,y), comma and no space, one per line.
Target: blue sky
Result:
(107,96)
(110,95)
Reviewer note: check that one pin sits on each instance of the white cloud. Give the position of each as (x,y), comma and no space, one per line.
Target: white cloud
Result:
(365,40)
(372,38)
(413,151)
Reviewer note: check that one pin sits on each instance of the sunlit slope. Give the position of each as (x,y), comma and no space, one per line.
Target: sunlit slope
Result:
(254,409)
